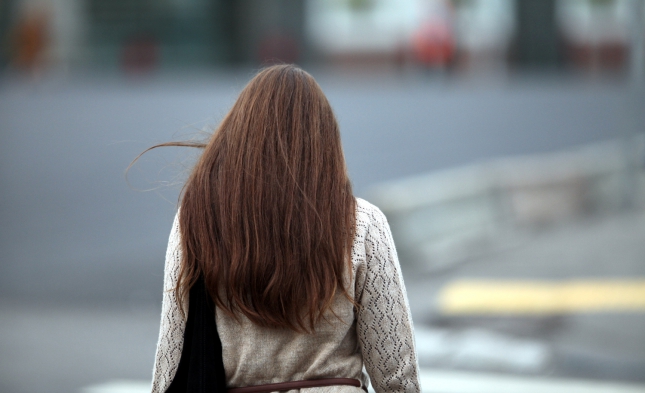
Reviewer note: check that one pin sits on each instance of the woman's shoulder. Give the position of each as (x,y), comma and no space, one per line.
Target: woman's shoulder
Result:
(368,214)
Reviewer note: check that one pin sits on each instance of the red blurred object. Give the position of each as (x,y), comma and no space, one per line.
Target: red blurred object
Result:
(433,44)
(278,47)
(140,55)
(29,40)
(610,56)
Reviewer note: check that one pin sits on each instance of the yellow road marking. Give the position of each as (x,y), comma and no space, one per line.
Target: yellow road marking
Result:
(541,297)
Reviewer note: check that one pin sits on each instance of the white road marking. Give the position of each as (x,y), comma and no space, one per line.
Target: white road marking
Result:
(443,381)
(119,386)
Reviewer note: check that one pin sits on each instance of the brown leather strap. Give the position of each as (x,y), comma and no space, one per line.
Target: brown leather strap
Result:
(310,383)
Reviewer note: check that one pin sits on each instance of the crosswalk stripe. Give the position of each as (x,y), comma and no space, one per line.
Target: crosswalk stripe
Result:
(446,381)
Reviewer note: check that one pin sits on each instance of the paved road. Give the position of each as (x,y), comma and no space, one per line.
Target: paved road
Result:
(72,226)
(604,344)
(58,348)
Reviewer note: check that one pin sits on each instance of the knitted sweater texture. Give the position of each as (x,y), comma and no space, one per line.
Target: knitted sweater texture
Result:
(377,336)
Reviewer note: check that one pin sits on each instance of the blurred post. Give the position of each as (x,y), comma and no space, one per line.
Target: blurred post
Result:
(6,11)
(537,34)
(637,53)
(635,141)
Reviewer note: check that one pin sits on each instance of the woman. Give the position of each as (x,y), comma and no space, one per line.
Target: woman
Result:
(304,276)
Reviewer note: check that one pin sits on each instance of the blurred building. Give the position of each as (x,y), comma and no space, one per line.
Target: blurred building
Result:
(142,35)
(463,35)
(474,34)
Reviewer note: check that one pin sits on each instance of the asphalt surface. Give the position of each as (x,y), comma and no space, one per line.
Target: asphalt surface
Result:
(606,344)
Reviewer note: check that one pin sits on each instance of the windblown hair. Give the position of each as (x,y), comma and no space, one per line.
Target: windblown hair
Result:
(268,214)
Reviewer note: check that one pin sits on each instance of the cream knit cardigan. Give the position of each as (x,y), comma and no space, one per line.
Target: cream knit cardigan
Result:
(378,335)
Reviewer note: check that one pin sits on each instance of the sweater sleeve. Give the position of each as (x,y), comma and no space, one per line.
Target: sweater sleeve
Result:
(173,323)
(384,325)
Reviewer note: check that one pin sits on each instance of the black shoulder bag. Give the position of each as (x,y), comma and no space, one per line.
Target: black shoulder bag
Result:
(201,368)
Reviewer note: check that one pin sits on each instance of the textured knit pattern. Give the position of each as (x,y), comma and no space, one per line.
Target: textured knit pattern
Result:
(379,335)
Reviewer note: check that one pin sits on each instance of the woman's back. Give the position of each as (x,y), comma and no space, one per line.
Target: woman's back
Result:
(377,334)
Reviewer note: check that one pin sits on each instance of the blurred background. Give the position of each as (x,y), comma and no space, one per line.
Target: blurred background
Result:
(503,139)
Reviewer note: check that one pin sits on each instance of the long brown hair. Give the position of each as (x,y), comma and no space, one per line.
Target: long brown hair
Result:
(267,214)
